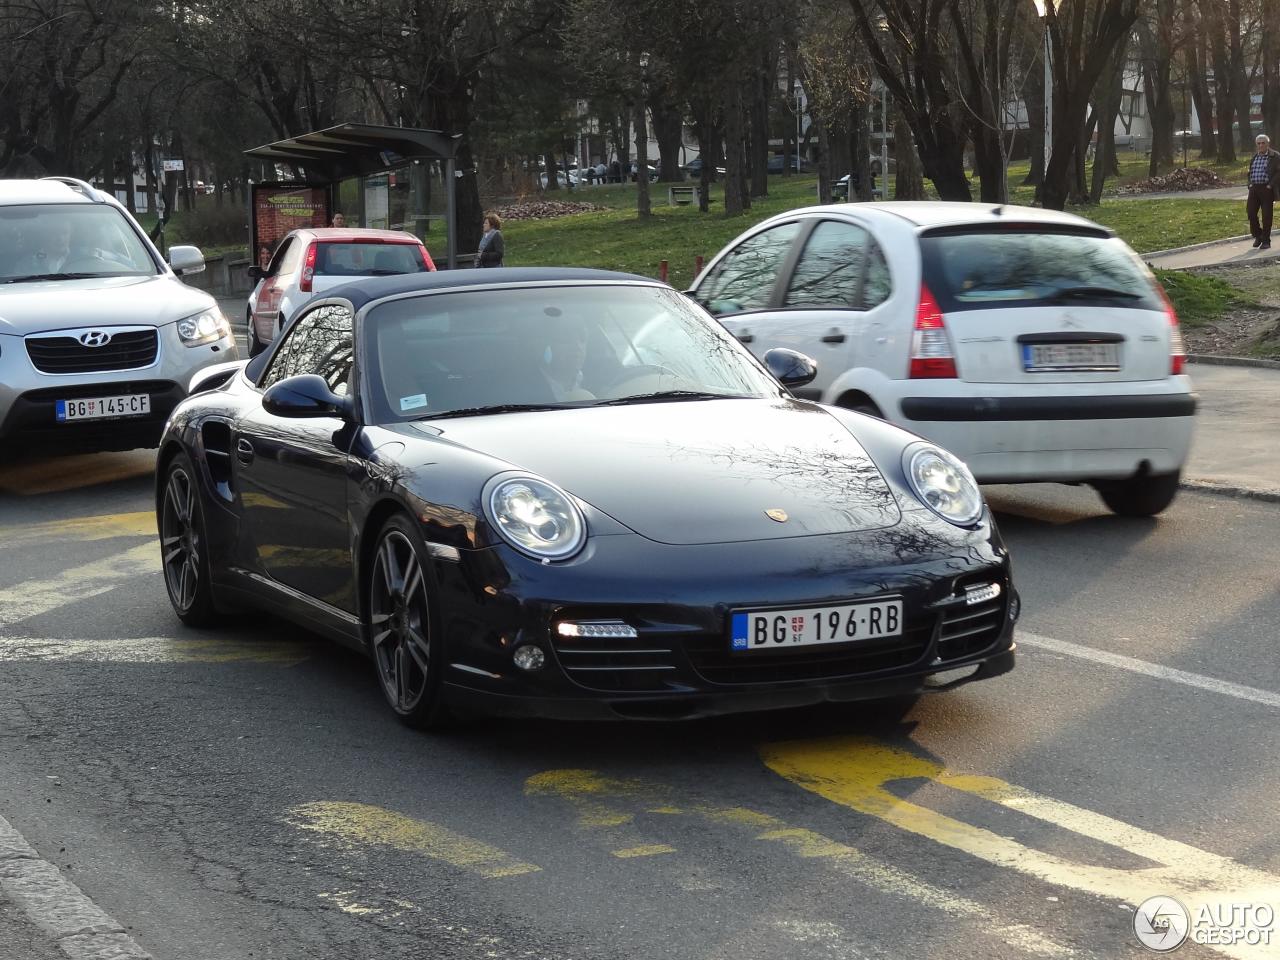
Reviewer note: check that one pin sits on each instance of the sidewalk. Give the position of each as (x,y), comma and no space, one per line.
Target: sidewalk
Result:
(1237,432)
(1234,250)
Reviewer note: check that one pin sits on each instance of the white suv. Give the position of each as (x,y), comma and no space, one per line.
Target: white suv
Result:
(1033,344)
(99,339)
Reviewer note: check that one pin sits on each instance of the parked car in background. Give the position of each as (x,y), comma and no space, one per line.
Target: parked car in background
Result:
(99,338)
(778,164)
(694,169)
(1034,345)
(311,262)
(570,493)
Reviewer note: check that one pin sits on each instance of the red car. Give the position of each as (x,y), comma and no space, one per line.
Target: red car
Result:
(312,262)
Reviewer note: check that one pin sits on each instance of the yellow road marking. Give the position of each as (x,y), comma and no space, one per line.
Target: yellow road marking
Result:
(645,850)
(589,791)
(32,598)
(361,823)
(148,650)
(57,474)
(855,772)
(81,530)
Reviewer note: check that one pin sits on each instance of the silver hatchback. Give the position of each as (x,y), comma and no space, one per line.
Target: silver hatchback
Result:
(99,338)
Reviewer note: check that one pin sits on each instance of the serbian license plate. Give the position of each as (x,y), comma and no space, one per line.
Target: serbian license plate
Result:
(1041,357)
(104,408)
(785,629)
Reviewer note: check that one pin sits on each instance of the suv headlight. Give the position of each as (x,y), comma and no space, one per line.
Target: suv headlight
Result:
(204,327)
(537,518)
(943,484)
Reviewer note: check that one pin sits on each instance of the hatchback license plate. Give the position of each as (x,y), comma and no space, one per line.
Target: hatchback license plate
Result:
(810,626)
(1042,357)
(104,408)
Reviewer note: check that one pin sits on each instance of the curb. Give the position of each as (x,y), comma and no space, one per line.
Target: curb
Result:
(57,906)
(1194,247)
(1233,491)
(1215,361)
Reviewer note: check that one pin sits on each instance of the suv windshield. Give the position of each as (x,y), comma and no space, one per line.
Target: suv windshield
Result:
(368,259)
(986,269)
(69,240)
(492,351)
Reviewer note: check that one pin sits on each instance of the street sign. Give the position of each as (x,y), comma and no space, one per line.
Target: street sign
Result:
(171,166)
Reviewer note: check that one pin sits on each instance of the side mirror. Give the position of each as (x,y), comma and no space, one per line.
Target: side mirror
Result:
(186,260)
(305,395)
(793,369)
(255,273)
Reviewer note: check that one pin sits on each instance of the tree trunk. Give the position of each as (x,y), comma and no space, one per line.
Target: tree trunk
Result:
(824,158)
(790,144)
(1157,62)
(1240,92)
(668,130)
(860,150)
(736,199)
(762,81)
(1108,107)
(1200,99)
(1211,21)
(909,183)
(1033,100)
(643,208)
(553,171)
(1270,68)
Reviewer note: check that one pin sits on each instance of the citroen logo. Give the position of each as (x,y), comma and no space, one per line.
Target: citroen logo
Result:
(776,514)
(95,338)
(1071,322)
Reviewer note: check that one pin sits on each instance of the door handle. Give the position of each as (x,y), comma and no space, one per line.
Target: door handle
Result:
(745,337)
(244,451)
(835,336)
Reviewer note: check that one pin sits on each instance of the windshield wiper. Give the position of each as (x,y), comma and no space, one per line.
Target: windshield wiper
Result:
(1092,292)
(495,408)
(57,276)
(669,395)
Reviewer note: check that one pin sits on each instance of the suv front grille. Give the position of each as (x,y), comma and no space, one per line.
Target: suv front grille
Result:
(128,350)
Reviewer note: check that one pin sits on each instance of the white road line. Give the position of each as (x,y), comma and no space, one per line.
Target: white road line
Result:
(1159,672)
(57,906)
(31,598)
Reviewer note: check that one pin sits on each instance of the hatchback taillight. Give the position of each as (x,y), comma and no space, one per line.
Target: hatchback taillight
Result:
(308,269)
(931,354)
(1177,346)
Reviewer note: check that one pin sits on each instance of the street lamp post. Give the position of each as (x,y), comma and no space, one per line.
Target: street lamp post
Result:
(1042,11)
(884,140)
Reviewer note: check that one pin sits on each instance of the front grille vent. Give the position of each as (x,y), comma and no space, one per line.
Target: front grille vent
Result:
(628,665)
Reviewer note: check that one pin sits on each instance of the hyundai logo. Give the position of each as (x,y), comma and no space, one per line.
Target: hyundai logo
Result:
(95,338)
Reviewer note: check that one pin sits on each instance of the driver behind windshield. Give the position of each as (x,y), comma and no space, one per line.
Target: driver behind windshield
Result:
(563,354)
(51,248)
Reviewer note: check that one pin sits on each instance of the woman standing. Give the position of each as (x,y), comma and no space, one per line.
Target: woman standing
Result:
(492,249)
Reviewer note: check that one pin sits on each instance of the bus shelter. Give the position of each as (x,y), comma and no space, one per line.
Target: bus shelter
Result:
(390,178)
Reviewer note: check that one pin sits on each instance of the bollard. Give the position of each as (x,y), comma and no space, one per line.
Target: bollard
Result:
(697,265)
(662,270)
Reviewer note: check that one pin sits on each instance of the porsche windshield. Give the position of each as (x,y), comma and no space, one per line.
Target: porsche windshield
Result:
(57,241)
(552,346)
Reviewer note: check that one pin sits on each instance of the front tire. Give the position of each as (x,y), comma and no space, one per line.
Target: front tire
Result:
(184,553)
(400,620)
(256,346)
(1139,496)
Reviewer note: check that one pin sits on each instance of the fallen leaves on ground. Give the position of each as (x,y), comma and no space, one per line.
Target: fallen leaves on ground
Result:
(545,209)
(1182,180)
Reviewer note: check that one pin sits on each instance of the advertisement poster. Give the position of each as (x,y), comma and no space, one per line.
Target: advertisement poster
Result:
(281,207)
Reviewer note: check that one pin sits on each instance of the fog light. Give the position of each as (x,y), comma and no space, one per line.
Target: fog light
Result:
(597,629)
(981,593)
(529,657)
(1015,605)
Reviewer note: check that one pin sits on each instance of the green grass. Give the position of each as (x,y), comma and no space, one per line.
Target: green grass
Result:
(616,239)
(1200,299)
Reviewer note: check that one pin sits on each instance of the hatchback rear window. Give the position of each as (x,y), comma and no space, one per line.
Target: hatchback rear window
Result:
(368,259)
(986,269)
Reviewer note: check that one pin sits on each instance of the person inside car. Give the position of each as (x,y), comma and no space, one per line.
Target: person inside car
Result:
(52,248)
(562,357)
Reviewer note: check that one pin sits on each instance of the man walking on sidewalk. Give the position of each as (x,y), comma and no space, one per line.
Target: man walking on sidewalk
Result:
(1264,180)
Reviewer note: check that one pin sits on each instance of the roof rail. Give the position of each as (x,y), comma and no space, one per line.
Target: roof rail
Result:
(79,186)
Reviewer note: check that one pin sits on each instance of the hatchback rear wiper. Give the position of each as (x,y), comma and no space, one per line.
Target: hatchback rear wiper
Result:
(668,395)
(495,408)
(1085,291)
(56,276)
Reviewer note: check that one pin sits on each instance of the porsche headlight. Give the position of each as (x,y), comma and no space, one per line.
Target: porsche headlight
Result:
(206,327)
(943,484)
(537,518)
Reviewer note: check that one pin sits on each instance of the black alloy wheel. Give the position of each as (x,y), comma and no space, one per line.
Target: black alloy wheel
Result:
(183,552)
(399,623)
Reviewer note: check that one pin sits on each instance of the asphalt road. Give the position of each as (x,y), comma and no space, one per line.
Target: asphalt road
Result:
(244,793)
